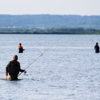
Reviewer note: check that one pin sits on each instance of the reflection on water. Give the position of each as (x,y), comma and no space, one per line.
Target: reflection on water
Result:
(69,70)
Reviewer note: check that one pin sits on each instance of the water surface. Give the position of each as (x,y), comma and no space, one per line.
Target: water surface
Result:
(68,70)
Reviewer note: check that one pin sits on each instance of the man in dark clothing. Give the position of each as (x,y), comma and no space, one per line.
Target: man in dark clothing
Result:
(13,68)
(96,47)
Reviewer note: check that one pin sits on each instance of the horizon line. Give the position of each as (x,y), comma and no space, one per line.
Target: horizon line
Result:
(52,14)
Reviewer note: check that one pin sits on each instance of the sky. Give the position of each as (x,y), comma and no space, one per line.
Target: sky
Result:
(53,7)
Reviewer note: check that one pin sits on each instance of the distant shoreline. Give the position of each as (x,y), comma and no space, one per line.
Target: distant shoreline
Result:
(55,33)
(50,31)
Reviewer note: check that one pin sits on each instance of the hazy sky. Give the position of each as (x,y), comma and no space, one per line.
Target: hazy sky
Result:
(61,7)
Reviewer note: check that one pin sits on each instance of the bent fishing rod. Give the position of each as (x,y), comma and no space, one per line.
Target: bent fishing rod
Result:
(38,57)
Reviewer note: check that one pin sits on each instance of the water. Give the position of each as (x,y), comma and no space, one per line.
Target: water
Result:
(69,70)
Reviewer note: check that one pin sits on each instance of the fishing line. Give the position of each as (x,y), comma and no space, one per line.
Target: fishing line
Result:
(39,56)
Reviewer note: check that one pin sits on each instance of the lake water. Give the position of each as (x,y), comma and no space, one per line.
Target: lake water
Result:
(68,70)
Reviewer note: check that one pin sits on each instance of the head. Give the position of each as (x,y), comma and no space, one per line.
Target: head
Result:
(96,43)
(19,43)
(15,57)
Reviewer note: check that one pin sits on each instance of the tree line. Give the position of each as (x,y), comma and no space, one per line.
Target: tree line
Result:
(50,31)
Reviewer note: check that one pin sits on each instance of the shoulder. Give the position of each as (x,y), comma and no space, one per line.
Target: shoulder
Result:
(18,62)
(10,62)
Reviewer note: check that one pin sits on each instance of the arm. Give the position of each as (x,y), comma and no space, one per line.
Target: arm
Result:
(21,70)
(7,67)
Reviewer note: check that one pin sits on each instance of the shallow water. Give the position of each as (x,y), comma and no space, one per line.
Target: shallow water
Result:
(68,70)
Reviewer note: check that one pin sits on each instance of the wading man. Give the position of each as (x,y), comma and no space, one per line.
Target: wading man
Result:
(96,47)
(20,48)
(13,68)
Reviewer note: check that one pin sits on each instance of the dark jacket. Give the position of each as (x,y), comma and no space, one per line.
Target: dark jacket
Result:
(13,69)
(96,49)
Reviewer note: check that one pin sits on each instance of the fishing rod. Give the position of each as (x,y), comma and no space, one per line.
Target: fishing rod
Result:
(38,57)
